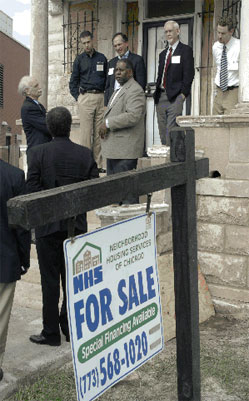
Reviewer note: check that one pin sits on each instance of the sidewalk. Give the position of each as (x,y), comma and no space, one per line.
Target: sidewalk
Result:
(24,359)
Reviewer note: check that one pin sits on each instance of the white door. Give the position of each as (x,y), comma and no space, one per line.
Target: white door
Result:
(156,43)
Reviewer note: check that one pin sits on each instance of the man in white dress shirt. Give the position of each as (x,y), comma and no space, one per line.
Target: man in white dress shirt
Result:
(226,56)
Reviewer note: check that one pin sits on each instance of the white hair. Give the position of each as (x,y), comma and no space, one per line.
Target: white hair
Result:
(175,24)
(24,84)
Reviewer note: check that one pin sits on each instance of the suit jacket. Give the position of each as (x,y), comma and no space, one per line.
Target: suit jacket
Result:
(179,74)
(14,242)
(139,73)
(125,139)
(34,123)
(56,163)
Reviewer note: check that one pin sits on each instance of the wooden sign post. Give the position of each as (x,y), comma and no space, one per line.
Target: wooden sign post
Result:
(179,175)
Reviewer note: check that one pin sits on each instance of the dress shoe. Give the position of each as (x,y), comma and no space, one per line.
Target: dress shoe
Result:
(40,339)
(101,170)
(67,339)
(1,374)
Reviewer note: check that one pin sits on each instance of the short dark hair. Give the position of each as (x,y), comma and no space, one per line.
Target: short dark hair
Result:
(226,21)
(123,36)
(127,62)
(86,34)
(59,121)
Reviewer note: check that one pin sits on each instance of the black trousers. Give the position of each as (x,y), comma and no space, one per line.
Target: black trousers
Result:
(118,166)
(52,270)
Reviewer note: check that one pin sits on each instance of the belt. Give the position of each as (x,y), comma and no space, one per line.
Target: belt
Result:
(82,91)
(229,88)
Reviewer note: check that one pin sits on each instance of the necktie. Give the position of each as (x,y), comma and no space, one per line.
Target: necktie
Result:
(223,70)
(166,67)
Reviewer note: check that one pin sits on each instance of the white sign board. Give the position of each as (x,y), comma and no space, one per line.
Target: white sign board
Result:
(113,302)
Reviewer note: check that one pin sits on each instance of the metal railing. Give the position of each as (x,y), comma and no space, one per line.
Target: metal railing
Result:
(71,35)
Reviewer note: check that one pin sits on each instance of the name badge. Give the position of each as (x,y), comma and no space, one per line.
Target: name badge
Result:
(99,67)
(175,59)
(111,71)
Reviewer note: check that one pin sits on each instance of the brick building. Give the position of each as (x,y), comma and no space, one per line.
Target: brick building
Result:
(14,63)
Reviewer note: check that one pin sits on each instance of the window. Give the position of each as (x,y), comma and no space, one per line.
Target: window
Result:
(159,8)
(81,17)
(132,25)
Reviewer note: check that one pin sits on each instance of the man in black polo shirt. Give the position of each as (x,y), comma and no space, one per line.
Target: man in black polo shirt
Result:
(87,86)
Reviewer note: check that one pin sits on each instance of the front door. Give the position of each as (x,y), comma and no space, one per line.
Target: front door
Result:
(153,43)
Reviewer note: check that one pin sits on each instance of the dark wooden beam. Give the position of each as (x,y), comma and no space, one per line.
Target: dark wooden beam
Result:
(36,209)
(186,274)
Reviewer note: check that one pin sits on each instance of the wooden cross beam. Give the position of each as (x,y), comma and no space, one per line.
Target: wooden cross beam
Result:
(180,175)
(36,209)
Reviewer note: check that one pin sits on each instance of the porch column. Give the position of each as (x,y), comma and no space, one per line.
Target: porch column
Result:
(243,105)
(244,54)
(39,45)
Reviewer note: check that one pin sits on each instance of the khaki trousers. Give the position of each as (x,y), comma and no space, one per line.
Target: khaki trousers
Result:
(7,291)
(224,102)
(91,112)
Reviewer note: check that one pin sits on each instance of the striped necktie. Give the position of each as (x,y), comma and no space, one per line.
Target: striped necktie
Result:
(166,67)
(223,70)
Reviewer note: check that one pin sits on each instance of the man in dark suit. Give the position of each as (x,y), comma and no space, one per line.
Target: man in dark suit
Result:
(59,162)
(14,249)
(33,113)
(120,44)
(175,76)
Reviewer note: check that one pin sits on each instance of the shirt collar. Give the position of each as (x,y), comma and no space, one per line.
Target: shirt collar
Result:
(230,42)
(174,46)
(90,56)
(32,100)
(61,138)
(125,55)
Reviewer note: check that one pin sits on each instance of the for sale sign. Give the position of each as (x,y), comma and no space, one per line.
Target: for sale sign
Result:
(113,303)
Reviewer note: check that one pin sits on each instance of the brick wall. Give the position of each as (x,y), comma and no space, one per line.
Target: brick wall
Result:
(15,59)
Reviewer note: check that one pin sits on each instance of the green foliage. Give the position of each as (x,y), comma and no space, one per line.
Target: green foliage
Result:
(56,386)
(224,372)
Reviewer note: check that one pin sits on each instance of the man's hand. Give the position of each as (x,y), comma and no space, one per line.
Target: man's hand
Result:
(103,131)
(24,270)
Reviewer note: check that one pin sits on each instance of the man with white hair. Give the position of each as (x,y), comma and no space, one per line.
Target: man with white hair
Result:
(175,76)
(33,113)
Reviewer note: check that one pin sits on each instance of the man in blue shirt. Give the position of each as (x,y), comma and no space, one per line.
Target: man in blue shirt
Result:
(87,85)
